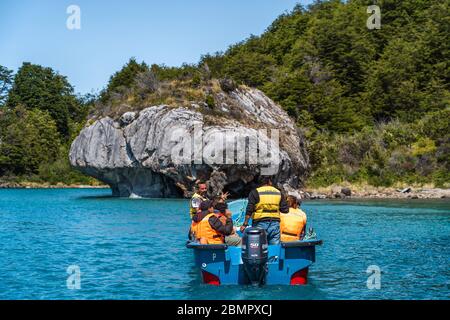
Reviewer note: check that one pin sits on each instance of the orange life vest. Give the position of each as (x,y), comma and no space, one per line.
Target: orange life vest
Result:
(206,233)
(292,224)
(194,229)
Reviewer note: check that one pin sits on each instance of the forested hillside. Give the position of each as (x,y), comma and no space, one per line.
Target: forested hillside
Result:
(373,104)
(39,117)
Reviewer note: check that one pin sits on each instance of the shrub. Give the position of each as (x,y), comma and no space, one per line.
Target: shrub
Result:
(423,146)
(60,171)
(395,134)
(210,101)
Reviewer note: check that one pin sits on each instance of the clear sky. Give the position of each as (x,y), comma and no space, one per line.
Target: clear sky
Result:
(164,31)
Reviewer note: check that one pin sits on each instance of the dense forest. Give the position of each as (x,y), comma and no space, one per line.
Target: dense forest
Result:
(373,104)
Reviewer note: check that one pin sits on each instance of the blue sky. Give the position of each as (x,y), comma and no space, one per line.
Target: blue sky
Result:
(169,32)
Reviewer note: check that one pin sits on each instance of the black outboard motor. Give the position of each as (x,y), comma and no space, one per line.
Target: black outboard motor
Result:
(255,255)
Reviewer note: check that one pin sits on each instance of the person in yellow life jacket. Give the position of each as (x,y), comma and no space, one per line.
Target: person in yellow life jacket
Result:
(212,226)
(197,199)
(264,206)
(293,224)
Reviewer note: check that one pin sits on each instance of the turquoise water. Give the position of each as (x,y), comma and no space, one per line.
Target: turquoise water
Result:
(134,249)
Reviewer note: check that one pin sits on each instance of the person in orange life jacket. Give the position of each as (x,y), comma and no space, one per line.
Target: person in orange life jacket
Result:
(233,239)
(293,224)
(213,226)
(294,206)
(198,197)
(201,212)
(264,206)
(194,207)
(204,208)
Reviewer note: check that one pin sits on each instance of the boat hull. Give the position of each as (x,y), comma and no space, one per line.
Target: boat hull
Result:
(288,263)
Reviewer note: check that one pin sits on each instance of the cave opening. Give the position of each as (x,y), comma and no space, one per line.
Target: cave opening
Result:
(240,189)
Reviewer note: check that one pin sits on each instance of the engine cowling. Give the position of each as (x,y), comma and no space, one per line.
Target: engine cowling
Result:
(255,255)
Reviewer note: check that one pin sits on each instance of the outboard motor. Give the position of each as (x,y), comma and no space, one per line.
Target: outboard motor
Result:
(255,255)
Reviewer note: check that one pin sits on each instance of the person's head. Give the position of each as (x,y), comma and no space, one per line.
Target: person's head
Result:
(207,206)
(293,202)
(221,207)
(266,180)
(202,188)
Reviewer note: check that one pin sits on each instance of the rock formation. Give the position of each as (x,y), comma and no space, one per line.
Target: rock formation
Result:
(161,151)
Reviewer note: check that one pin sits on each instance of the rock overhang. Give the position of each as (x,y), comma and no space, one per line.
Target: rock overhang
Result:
(137,153)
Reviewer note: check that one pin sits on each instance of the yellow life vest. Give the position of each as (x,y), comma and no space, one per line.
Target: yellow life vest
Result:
(292,224)
(206,233)
(269,203)
(193,210)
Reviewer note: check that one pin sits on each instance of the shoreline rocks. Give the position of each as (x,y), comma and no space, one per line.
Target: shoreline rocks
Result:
(419,193)
(377,193)
(28,185)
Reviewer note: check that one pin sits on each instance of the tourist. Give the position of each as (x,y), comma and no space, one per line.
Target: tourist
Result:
(293,224)
(198,197)
(213,226)
(264,206)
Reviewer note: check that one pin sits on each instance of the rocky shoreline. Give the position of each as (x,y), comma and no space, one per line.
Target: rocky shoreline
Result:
(370,192)
(34,185)
(333,192)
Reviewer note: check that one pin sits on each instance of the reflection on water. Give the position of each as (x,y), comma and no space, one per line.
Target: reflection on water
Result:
(135,249)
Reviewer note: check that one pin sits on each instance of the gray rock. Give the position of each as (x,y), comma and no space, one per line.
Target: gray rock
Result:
(294,193)
(339,195)
(346,191)
(227,85)
(315,195)
(127,118)
(406,190)
(141,155)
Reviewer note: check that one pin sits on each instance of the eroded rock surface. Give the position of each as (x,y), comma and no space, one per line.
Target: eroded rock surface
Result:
(161,151)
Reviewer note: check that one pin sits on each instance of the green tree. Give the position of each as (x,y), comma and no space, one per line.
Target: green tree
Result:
(251,68)
(125,78)
(6,80)
(37,87)
(28,139)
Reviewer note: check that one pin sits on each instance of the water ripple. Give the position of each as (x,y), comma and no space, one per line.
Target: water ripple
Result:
(134,249)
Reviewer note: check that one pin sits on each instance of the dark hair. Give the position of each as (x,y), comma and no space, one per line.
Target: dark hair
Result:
(293,201)
(221,206)
(265,180)
(200,184)
(205,205)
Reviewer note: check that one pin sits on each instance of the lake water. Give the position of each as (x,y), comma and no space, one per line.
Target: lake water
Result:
(135,249)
